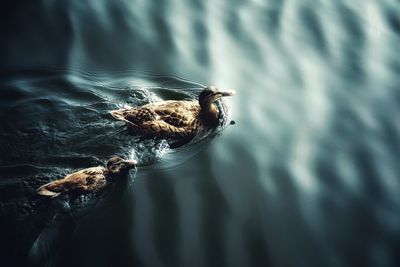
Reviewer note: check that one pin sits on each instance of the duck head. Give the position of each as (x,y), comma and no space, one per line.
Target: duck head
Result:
(119,166)
(207,99)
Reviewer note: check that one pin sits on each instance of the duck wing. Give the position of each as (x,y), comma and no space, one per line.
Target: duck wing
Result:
(83,181)
(177,113)
(133,117)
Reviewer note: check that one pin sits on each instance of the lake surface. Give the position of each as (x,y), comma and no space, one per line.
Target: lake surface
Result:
(308,176)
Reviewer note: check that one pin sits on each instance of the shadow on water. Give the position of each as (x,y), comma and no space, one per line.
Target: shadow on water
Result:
(256,246)
(214,212)
(292,223)
(165,217)
(81,232)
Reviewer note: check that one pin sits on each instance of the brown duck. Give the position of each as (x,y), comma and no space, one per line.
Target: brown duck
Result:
(87,180)
(174,119)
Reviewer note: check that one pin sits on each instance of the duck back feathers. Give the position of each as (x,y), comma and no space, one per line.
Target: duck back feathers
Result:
(175,119)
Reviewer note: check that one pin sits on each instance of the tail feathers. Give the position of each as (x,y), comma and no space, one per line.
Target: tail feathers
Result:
(119,114)
(45,192)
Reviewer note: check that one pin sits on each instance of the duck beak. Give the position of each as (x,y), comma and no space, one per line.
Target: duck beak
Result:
(130,162)
(228,93)
(225,93)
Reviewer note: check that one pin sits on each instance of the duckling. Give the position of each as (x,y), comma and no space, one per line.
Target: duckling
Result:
(174,119)
(87,180)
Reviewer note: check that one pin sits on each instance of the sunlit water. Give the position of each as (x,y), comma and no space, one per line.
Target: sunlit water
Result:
(308,176)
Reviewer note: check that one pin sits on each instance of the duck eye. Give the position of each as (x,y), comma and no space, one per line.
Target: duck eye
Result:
(114,168)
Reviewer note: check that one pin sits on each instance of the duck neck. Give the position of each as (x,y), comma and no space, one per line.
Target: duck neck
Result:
(107,174)
(110,176)
(209,113)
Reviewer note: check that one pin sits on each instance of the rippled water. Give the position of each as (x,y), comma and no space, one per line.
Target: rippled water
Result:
(308,175)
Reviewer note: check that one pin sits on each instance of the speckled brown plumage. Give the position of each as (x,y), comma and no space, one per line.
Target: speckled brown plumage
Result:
(173,119)
(87,180)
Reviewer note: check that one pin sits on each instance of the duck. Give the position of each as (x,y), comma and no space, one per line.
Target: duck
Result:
(176,119)
(87,180)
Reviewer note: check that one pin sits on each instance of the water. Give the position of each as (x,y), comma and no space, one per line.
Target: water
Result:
(308,175)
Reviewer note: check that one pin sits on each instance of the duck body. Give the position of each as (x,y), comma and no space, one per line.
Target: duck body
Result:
(87,180)
(173,119)
(167,119)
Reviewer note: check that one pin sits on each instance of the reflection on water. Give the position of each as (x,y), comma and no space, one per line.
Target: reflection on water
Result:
(308,175)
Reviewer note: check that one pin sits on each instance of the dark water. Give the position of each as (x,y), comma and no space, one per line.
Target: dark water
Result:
(308,176)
